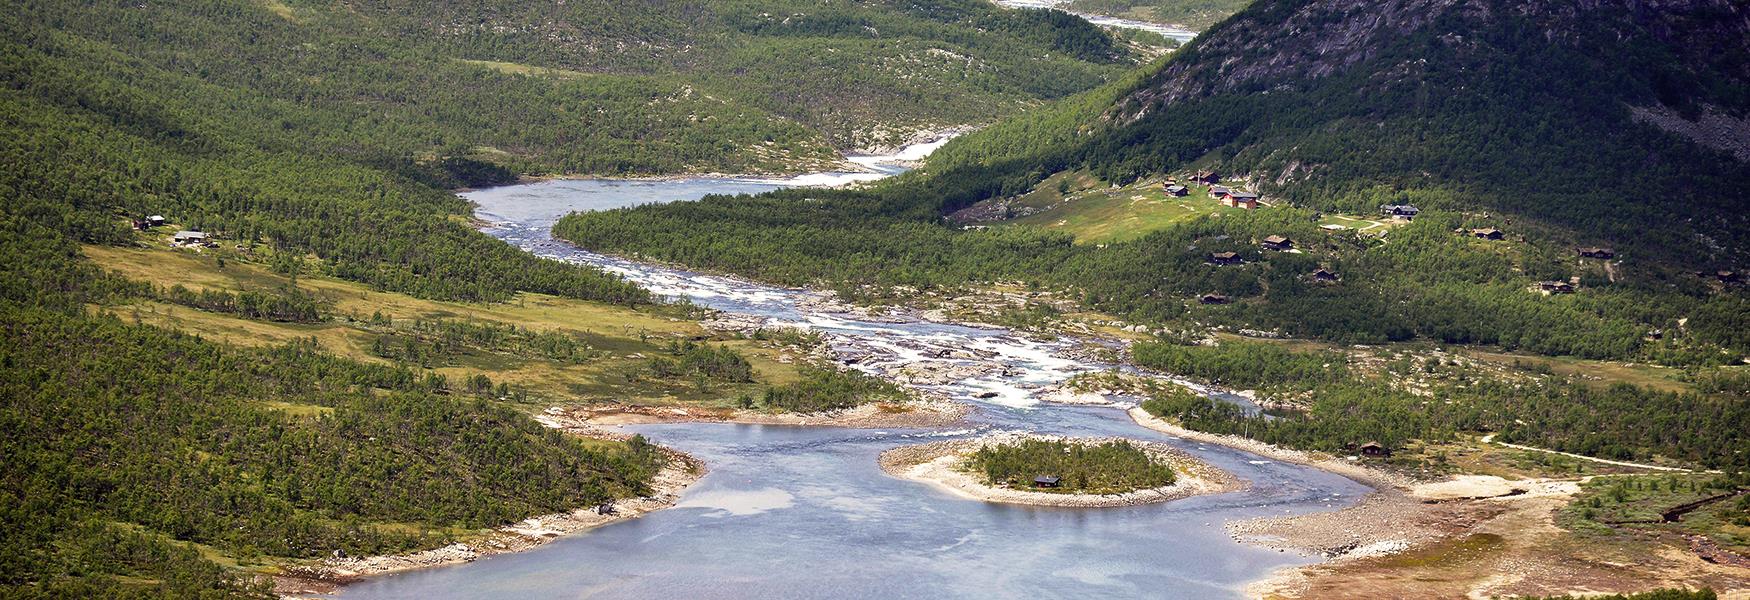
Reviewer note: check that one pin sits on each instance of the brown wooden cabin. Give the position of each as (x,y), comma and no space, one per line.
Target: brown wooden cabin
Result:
(1226,258)
(1279,243)
(1047,481)
(1489,233)
(1595,252)
(1207,177)
(1245,200)
(1556,287)
(1324,275)
(1178,191)
(1213,299)
(1374,449)
(1219,192)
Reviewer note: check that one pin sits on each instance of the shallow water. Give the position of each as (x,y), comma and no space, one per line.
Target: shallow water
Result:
(800,512)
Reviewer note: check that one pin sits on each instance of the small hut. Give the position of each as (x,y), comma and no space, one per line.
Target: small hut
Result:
(1728,276)
(189,238)
(1278,243)
(1374,449)
(1046,481)
(606,508)
(155,220)
(1324,276)
(1219,192)
(1178,191)
(1207,177)
(1213,299)
(1595,252)
(1488,233)
(1225,258)
(1555,287)
(1405,211)
(1245,200)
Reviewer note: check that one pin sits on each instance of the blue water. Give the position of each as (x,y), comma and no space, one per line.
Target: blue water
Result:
(798,512)
(801,512)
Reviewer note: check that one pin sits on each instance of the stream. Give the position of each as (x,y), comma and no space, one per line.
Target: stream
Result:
(806,512)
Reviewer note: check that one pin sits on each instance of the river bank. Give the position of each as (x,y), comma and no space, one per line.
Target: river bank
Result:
(326,576)
(941,464)
(918,413)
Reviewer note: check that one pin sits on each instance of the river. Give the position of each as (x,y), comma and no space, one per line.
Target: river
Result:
(805,512)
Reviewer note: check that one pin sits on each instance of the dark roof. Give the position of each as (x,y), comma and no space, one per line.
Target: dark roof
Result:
(1176,188)
(1244,195)
(1051,479)
(1218,189)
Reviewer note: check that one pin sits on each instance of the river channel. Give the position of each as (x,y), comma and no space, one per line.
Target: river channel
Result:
(805,512)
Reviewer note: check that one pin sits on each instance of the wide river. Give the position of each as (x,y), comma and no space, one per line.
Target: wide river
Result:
(805,512)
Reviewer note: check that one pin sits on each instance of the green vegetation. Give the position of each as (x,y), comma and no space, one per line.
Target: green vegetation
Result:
(1195,15)
(687,358)
(1489,156)
(1630,504)
(821,390)
(1112,467)
(1433,402)
(132,424)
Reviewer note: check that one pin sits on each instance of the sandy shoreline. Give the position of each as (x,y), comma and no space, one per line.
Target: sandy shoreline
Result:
(938,463)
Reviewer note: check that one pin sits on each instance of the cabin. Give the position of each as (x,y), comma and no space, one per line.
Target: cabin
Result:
(1374,449)
(1488,234)
(606,508)
(1278,243)
(1219,192)
(1555,287)
(1178,191)
(1594,252)
(1245,200)
(1728,276)
(1225,258)
(189,238)
(1324,276)
(1405,211)
(155,221)
(1207,177)
(1213,299)
(1046,481)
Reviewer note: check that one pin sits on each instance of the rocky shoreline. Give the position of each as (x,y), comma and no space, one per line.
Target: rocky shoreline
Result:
(939,463)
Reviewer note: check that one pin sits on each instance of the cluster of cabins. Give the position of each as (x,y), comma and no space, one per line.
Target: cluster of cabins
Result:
(1226,195)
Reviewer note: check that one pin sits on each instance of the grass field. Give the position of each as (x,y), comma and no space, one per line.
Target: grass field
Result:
(1104,215)
(622,340)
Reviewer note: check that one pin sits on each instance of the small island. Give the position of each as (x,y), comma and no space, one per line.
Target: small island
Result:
(1058,471)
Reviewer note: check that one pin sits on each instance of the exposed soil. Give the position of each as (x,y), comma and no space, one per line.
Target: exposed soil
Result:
(1471,536)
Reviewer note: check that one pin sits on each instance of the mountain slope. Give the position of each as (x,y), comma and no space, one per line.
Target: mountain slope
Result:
(1539,109)
(1486,113)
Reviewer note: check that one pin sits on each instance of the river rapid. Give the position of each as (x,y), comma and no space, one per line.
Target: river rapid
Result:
(806,512)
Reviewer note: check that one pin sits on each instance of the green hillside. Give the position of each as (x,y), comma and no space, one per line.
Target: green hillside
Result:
(321,141)
(1453,111)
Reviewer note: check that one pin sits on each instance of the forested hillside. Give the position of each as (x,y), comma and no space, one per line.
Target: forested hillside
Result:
(1522,116)
(328,136)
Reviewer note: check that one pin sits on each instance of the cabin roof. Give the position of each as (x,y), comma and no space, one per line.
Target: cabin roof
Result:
(1277,239)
